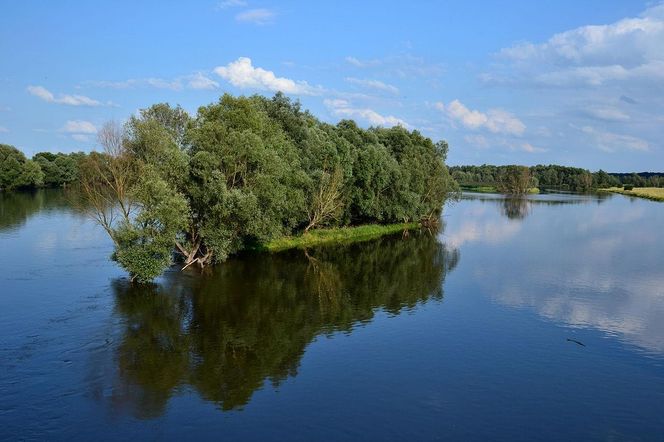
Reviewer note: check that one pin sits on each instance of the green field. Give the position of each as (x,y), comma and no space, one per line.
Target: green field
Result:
(336,236)
(651,193)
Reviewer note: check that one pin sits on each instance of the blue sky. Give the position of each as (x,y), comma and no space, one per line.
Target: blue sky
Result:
(570,82)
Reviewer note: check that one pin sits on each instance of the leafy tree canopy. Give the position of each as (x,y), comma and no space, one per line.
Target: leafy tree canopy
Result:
(245,170)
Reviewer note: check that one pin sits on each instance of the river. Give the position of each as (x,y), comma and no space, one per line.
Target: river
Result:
(520,319)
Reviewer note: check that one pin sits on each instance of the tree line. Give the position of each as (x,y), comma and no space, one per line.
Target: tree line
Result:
(246,170)
(45,169)
(551,177)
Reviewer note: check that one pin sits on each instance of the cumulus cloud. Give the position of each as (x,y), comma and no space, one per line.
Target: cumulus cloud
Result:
(495,120)
(242,74)
(613,142)
(3,129)
(373,84)
(258,16)
(79,127)
(344,109)
(71,100)
(593,55)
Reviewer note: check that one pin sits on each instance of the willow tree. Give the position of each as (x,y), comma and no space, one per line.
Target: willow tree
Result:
(245,170)
(515,180)
(246,184)
(131,199)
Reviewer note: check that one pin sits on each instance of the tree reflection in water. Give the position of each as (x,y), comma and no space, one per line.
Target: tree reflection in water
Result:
(515,207)
(16,207)
(250,321)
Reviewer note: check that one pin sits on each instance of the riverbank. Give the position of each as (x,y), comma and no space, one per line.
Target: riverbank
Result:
(492,189)
(340,235)
(651,193)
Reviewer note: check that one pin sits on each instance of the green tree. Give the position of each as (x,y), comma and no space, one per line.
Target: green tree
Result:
(247,170)
(515,180)
(11,166)
(31,175)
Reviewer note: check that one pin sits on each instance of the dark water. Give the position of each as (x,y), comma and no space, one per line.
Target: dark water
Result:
(538,319)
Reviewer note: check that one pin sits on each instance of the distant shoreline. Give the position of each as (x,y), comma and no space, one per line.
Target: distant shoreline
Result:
(491,189)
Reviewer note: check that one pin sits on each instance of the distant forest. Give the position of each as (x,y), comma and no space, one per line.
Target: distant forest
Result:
(556,177)
(45,169)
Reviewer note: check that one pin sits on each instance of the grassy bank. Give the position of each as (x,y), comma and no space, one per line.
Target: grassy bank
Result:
(336,236)
(491,189)
(651,193)
(479,189)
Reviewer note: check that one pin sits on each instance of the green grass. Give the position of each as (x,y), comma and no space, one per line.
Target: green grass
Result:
(651,193)
(480,189)
(340,235)
(491,189)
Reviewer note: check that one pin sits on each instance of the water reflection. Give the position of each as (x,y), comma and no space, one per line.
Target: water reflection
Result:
(515,207)
(249,322)
(519,207)
(17,207)
(603,270)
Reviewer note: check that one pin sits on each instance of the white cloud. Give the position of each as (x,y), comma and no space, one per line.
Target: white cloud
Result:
(373,84)
(607,113)
(159,83)
(399,65)
(242,74)
(342,108)
(259,16)
(628,49)
(79,127)
(71,100)
(527,147)
(226,4)
(361,63)
(494,120)
(3,129)
(612,142)
(200,81)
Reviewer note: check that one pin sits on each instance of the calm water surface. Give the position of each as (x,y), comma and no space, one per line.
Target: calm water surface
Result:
(537,319)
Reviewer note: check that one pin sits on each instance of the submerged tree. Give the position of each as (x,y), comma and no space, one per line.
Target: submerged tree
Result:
(129,198)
